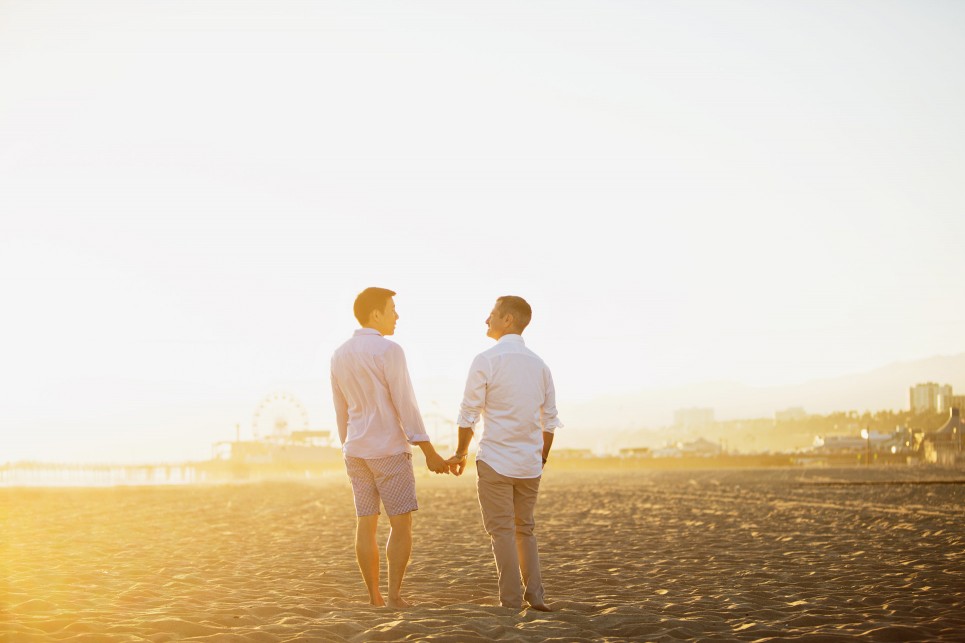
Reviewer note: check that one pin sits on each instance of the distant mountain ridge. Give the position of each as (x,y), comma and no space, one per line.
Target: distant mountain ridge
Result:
(883,388)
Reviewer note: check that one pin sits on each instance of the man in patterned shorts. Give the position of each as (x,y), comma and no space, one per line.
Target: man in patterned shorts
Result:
(378,419)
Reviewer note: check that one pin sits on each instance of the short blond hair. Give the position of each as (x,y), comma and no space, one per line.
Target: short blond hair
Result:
(521,311)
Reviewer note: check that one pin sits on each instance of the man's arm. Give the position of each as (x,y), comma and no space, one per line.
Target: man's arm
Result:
(457,463)
(433,460)
(547,413)
(473,402)
(548,416)
(341,410)
(547,445)
(474,395)
(403,397)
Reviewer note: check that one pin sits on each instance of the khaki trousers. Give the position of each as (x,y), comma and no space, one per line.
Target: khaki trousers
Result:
(507,506)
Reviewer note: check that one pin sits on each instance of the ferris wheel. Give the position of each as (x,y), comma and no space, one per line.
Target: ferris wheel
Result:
(277,416)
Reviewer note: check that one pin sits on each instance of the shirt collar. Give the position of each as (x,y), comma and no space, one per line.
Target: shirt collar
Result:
(367,331)
(512,337)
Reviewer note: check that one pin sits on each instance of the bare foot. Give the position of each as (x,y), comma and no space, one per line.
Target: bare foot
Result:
(378,601)
(540,608)
(399,603)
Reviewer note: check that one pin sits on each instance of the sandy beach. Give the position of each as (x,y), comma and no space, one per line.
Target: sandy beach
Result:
(744,555)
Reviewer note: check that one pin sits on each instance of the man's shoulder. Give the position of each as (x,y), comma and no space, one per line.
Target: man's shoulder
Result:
(392,348)
(515,354)
(512,349)
(341,348)
(490,352)
(376,344)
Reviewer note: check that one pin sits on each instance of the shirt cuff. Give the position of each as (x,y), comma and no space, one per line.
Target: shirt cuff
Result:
(467,420)
(419,437)
(552,426)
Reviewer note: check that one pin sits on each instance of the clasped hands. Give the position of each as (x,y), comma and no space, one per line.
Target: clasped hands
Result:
(455,465)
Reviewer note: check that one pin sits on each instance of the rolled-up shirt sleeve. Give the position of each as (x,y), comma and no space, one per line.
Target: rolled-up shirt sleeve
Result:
(403,396)
(548,417)
(474,397)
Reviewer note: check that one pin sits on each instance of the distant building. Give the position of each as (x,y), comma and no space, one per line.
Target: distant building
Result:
(839,443)
(948,402)
(694,418)
(636,452)
(924,397)
(946,444)
(701,447)
(853,443)
(790,415)
(906,440)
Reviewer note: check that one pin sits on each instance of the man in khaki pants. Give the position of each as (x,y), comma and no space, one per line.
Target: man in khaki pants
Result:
(511,387)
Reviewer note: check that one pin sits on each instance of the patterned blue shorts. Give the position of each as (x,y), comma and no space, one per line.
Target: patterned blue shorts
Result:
(390,479)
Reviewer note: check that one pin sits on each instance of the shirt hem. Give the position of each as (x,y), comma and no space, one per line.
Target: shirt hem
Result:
(375,456)
(493,467)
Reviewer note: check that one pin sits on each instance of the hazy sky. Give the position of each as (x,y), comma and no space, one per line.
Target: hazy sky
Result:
(192,193)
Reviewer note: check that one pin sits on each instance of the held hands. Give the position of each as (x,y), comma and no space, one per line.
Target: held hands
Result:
(436,464)
(457,463)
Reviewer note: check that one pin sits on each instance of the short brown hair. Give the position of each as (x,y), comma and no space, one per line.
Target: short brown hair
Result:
(517,307)
(369,300)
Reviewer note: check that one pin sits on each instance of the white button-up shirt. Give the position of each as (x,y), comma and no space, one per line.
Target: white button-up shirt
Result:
(511,387)
(375,406)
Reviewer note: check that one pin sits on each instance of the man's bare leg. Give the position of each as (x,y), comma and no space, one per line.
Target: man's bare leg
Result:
(367,554)
(397,551)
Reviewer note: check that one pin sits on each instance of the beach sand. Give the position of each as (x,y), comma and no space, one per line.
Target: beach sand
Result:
(746,555)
